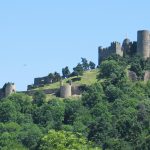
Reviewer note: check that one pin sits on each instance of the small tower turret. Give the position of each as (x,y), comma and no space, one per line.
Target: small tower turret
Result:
(9,88)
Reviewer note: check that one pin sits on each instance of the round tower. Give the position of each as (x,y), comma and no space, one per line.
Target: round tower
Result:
(10,88)
(126,46)
(143,43)
(65,91)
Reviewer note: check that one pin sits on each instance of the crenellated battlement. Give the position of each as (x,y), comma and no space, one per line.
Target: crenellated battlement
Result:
(115,47)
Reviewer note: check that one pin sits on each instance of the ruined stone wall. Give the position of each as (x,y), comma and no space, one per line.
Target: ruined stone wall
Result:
(46,91)
(75,90)
(114,48)
(40,81)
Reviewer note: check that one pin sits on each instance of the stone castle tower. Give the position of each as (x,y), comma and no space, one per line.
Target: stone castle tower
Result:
(143,43)
(10,88)
(7,89)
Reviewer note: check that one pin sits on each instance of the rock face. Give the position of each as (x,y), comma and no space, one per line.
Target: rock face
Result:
(147,76)
(132,75)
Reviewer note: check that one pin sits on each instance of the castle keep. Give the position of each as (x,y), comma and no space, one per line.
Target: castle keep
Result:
(141,47)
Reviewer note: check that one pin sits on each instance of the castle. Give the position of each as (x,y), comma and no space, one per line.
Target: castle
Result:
(141,47)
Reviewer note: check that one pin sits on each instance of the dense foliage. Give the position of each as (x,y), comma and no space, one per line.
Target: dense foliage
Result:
(112,114)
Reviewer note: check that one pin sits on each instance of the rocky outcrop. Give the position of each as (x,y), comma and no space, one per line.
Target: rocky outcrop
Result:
(132,76)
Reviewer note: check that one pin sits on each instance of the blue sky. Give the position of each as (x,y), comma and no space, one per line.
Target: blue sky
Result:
(42,36)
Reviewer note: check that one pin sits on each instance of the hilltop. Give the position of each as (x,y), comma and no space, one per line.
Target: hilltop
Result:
(88,78)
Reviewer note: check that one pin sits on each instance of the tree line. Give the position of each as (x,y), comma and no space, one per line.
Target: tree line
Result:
(112,114)
(77,70)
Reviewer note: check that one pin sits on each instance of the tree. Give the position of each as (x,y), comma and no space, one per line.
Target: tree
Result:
(7,111)
(7,142)
(57,77)
(9,137)
(92,65)
(39,98)
(113,93)
(51,76)
(112,71)
(22,102)
(50,114)
(93,95)
(78,70)
(137,64)
(63,140)
(101,127)
(30,135)
(65,72)
(85,64)
(71,108)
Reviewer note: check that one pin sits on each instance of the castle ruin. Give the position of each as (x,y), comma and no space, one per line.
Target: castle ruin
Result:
(103,53)
(141,47)
(7,89)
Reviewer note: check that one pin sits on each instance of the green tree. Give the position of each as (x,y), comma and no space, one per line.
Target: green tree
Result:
(92,65)
(22,102)
(39,98)
(112,93)
(50,114)
(93,95)
(9,137)
(78,70)
(30,135)
(62,140)
(111,70)
(7,142)
(137,64)
(71,108)
(57,77)
(65,72)
(51,76)
(7,111)
(85,64)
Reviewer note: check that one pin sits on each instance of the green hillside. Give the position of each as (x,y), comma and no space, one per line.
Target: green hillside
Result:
(88,78)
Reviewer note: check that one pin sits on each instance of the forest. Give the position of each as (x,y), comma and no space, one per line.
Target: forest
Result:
(111,114)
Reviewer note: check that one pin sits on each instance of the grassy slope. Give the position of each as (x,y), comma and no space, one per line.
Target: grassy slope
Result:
(88,78)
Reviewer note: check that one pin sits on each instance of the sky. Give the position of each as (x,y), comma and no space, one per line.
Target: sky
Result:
(42,36)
